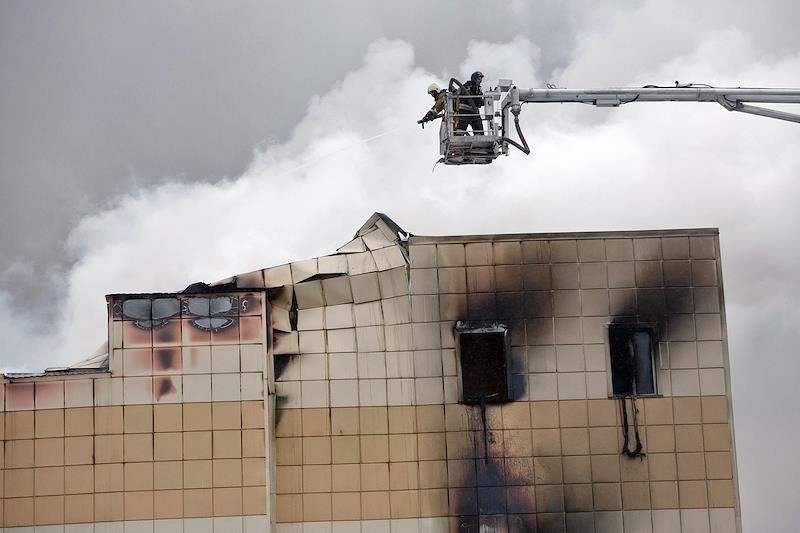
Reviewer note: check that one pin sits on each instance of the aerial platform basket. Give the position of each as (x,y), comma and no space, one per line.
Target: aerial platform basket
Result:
(495,108)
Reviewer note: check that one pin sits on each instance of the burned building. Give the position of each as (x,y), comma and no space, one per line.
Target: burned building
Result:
(565,382)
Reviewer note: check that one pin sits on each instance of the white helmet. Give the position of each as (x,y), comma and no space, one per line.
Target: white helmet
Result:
(433,88)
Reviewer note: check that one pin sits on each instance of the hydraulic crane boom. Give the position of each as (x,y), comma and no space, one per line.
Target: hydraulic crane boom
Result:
(458,148)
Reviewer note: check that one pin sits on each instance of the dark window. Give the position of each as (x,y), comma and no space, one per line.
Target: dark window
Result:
(631,360)
(483,360)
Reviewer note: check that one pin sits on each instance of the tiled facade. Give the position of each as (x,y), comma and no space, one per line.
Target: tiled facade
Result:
(323,396)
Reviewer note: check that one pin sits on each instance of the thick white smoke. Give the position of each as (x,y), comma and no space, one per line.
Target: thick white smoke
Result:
(641,166)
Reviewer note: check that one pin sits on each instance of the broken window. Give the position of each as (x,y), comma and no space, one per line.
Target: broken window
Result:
(483,350)
(632,369)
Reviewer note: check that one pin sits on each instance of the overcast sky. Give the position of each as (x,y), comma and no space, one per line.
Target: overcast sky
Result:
(148,145)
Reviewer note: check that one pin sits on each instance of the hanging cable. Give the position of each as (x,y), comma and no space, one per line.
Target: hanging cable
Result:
(637,451)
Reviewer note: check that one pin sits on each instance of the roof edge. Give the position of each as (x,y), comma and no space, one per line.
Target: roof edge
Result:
(685,232)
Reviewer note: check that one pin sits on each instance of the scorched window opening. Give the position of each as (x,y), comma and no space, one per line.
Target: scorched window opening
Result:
(483,351)
(632,368)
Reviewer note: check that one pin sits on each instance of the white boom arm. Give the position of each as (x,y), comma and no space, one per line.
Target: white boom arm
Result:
(459,148)
(732,99)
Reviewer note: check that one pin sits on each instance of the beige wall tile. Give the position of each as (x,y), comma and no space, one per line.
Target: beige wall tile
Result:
(168,475)
(19,453)
(658,411)
(403,476)
(138,447)
(517,443)
(196,416)
(79,479)
(607,496)
(197,444)
(228,501)
(288,479)
(167,446)
(253,414)
(544,414)
(317,478)
(578,498)
(660,439)
(716,437)
(345,449)
(720,493)
(687,410)
(403,447)
(346,477)
(253,443)
(138,476)
(226,415)
(691,466)
(78,508)
(254,501)
(48,452)
(226,472)
(19,482)
(604,440)
(664,494)
(227,444)
(549,499)
(18,512)
(108,420)
(289,451)
(316,422)
(197,503)
(288,422)
(289,508)
(402,419)
(375,505)
(577,469)
(688,438)
(546,442)
(547,470)
(573,413)
(109,478)
(636,495)
(138,419)
(719,465)
(168,418)
(634,468)
(108,449)
(168,504)
(78,450)
(404,503)
(715,409)
(692,494)
(79,421)
(346,506)
(197,474)
(373,420)
(602,412)
(431,446)
(605,468)
(662,466)
(49,423)
(575,441)
(316,450)
(317,507)
(48,510)
(433,503)
(374,448)
(432,474)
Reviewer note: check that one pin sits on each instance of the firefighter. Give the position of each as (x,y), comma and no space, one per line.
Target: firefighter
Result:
(470,107)
(440,97)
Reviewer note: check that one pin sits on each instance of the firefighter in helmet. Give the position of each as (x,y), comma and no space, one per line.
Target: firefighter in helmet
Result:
(470,104)
(439,96)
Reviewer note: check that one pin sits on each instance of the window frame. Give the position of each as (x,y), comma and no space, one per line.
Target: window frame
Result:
(655,357)
(464,327)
